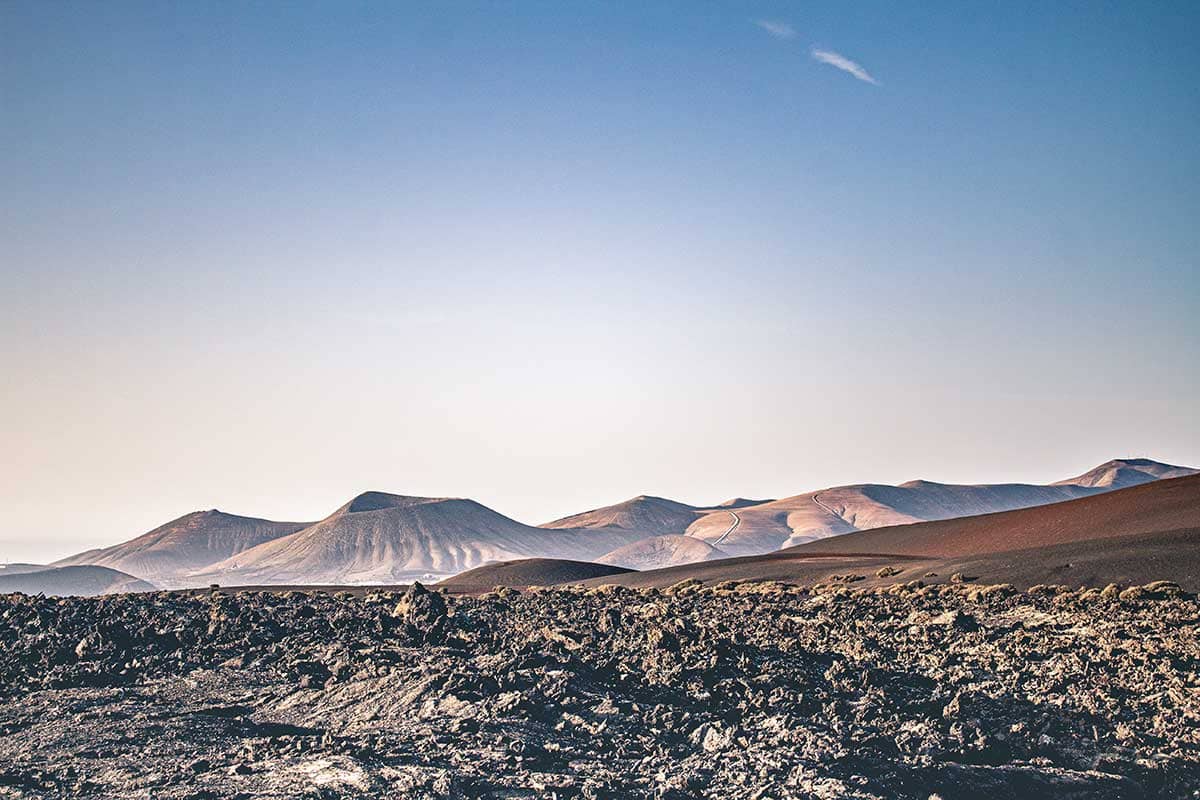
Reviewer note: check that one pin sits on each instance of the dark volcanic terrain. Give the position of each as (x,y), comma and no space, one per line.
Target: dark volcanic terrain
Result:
(734,691)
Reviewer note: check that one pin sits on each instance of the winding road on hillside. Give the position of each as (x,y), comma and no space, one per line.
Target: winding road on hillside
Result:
(732,527)
(816,498)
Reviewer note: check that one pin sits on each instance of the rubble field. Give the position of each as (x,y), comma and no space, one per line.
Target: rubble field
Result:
(748,690)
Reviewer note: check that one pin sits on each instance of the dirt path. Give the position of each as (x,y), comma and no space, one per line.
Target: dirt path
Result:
(732,527)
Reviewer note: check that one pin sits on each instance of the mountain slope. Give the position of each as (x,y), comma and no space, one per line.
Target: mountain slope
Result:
(83,580)
(168,553)
(384,538)
(662,551)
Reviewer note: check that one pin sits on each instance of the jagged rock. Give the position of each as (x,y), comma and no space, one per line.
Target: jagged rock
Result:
(958,620)
(754,690)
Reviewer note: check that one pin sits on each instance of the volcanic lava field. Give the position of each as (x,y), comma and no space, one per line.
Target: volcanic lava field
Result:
(739,690)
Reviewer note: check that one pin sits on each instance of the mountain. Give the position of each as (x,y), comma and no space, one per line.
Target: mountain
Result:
(844,509)
(662,551)
(1122,473)
(84,580)
(645,515)
(386,538)
(170,552)
(379,537)
(528,572)
(1128,536)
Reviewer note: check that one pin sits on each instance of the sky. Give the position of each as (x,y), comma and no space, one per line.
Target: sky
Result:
(262,257)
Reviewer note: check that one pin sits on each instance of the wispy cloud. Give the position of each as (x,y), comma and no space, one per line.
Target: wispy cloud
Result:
(780,30)
(841,62)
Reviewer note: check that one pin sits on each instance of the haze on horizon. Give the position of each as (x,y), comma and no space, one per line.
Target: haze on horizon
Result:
(549,256)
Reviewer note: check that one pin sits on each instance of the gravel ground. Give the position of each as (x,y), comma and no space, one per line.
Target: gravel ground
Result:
(736,691)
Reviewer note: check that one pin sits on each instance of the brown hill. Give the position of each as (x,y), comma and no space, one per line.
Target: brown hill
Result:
(385,538)
(1165,505)
(528,572)
(82,581)
(1135,535)
(170,552)
(662,551)
(845,509)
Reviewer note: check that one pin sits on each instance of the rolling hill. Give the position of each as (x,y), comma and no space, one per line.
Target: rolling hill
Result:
(82,581)
(171,552)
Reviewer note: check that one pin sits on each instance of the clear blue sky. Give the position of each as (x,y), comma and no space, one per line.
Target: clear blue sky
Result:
(549,255)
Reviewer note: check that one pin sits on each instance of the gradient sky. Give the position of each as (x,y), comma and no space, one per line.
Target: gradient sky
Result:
(549,255)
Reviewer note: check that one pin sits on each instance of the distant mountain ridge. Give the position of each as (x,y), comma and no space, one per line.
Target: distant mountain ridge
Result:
(378,537)
(845,509)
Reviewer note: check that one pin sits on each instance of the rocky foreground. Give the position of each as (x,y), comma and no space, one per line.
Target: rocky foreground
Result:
(746,691)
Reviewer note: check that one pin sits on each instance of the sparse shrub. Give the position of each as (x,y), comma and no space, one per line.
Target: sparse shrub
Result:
(994,590)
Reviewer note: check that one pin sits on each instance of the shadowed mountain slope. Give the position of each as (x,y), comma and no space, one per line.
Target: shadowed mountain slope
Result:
(528,572)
